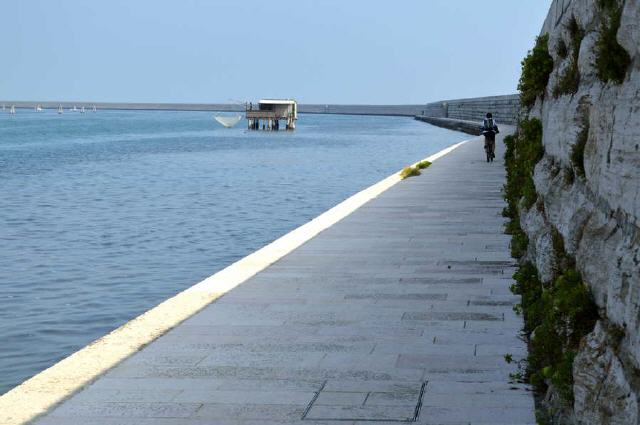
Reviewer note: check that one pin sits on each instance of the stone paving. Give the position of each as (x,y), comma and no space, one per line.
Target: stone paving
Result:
(399,313)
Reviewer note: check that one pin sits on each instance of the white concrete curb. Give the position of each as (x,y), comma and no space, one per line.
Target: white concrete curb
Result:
(55,384)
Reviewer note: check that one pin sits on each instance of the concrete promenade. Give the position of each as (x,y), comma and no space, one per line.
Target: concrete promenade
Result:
(401,312)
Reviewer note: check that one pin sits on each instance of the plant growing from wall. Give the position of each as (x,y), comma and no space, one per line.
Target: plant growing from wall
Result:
(536,68)
(577,150)
(523,151)
(562,50)
(557,315)
(569,81)
(612,60)
(560,313)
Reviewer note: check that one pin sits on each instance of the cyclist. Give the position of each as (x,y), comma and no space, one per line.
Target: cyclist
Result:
(489,129)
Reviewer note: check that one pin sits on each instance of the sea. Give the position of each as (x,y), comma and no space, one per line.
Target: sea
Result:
(104,215)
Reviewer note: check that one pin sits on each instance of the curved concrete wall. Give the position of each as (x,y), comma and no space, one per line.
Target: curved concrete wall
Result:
(505,109)
(470,127)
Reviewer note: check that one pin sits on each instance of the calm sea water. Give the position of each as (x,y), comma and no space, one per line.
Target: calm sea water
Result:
(103,216)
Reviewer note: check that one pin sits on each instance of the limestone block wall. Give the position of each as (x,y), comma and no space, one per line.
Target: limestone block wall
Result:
(505,109)
(598,215)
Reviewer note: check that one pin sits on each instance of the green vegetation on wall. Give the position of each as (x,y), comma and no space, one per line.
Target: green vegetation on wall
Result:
(556,315)
(577,151)
(612,60)
(523,151)
(570,79)
(562,50)
(560,313)
(536,68)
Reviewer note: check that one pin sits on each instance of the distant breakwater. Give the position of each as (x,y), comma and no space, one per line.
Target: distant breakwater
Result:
(388,110)
(505,108)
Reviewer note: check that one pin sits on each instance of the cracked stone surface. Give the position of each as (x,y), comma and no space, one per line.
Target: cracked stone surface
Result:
(598,214)
(401,311)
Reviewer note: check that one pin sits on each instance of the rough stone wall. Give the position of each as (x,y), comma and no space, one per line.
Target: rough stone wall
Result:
(504,108)
(598,215)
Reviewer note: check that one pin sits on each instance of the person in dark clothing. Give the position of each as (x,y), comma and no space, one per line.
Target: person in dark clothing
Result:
(489,129)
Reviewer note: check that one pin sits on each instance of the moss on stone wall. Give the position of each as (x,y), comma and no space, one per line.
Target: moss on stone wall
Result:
(558,314)
(612,60)
(556,317)
(536,68)
(562,50)
(570,79)
(523,151)
(577,150)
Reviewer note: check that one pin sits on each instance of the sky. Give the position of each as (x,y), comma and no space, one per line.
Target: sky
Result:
(316,51)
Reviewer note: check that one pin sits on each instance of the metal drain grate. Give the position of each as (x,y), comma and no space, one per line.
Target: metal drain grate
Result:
(400,404)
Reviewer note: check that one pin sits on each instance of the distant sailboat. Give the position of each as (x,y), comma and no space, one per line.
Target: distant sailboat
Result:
(94,108)
(228,122)
(74,109)
(82,110)
(60,110)
(4,107)
(12,111)
(38,108)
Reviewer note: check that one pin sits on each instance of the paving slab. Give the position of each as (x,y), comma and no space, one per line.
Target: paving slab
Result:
(400,312)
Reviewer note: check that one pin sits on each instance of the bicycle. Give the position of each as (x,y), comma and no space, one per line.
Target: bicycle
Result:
(490,147)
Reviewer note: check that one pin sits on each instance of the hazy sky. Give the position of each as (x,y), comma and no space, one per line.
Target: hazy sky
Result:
(317,51)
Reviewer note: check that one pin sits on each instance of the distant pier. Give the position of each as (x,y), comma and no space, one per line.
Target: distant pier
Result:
(269,112)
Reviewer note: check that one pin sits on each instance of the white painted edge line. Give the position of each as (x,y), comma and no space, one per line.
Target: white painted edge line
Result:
(50,387)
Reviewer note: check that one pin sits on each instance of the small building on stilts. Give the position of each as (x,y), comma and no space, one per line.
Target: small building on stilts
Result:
(268,114)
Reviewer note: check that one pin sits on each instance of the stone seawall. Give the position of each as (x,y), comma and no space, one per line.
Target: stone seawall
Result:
(505,109)
(469,127)
(392,110)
